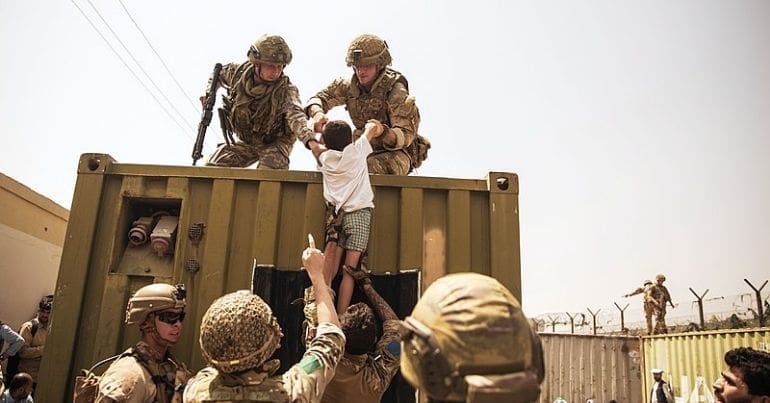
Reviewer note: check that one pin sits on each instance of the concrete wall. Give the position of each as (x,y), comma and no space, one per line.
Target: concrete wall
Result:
(32,229)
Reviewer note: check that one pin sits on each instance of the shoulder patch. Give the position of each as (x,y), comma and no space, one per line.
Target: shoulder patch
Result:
(394,347)
(310,364)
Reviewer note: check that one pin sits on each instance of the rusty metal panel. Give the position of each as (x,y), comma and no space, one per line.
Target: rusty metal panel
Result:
(433,225)
(581,367)
(686,356)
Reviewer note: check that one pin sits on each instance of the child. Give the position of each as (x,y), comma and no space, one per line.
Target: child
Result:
(347,190)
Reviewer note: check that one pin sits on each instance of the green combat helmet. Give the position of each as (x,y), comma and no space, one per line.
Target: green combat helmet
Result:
(468,325)
(270,49)
(239,332)
(368,49)
(153,298)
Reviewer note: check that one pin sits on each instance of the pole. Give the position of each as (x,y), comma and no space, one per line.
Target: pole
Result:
(622,317)
(700,306)
(571,323)
(594,315)
(758,293)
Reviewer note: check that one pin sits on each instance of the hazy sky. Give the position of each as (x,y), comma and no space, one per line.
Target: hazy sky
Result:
(640,130)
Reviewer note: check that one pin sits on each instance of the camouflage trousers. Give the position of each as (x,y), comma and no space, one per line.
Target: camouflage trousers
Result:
(389,163)
(240,155)
(660,321)
(649,309)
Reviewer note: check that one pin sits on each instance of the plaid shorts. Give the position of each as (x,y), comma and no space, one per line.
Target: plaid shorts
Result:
(355,229)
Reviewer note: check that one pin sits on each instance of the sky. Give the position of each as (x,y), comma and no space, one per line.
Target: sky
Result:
(640,131)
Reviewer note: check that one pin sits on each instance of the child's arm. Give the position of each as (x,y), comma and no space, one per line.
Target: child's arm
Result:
(373,128)
(317,151)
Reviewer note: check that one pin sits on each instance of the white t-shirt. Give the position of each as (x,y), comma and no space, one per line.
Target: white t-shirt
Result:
(346,176)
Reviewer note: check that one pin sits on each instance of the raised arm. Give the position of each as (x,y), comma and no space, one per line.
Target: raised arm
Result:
(313,260)
(381,307)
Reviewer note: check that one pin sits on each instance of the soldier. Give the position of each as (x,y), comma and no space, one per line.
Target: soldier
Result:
(147,372)
(660,295)
(468,341)
(238,335)
(363,377)
(376,91)
(647,301)
(262,107)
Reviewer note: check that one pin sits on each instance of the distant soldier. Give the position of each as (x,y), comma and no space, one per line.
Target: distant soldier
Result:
(376,91)
(662,297)
(368,366)
(647,301)
(262,108)
(148,372)
(468,341)
(239,333)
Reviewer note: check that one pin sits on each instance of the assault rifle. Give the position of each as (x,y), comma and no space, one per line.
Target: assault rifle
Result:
(211,98)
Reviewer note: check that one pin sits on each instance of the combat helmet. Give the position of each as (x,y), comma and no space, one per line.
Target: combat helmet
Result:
(466,324)
(239,332)
(153,298)
(270,49)
(647,282)
(660,276)
(368,49)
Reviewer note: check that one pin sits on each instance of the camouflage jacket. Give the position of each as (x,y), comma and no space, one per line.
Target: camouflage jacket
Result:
(261,113)
(364,378)
(388,101)
(304,382)
(660,293)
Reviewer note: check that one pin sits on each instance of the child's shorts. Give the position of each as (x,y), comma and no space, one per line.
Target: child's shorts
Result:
(352,233)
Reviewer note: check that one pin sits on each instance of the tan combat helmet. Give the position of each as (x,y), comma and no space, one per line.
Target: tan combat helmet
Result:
(270,49)
(660,276)
(153,298)
(368,49)
(647,282)
(239,332)
(466,324)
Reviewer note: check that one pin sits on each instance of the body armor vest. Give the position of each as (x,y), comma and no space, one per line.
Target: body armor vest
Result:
(268,390)
(363,106)
(256,114)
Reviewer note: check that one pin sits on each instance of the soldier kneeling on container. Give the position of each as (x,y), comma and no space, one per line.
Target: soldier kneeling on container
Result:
(467,340)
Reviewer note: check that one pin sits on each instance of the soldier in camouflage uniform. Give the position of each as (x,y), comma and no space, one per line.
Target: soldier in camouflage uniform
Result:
(148,372)
(660,295)
(368,365)
(263,108)
(468,341)
(648,301)
(376,91)
(238,335)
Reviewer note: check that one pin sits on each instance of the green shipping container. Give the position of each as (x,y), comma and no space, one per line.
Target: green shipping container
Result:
(224,220)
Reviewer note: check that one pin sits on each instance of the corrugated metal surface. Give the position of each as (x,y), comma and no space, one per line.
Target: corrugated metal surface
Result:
(581,367)
(695,355)
(436,225)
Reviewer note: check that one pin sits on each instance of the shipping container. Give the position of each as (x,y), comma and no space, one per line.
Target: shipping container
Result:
(219,222)
(581,367)
(686,357)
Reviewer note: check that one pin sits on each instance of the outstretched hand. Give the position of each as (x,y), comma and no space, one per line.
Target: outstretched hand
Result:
(312,258)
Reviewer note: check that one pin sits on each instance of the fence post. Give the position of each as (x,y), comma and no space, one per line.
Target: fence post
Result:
(622,317)
(700,306)
(571,323)
(594,315)
(758,293)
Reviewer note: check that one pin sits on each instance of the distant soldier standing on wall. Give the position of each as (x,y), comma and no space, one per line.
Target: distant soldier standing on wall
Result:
(648,302)
(662,297)
(262,108)
(376,91)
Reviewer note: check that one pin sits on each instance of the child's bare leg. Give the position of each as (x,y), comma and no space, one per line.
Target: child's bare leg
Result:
(346,286)
(333,254)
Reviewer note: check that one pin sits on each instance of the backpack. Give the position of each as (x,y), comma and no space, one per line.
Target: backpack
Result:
(87,383)
(12,367)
